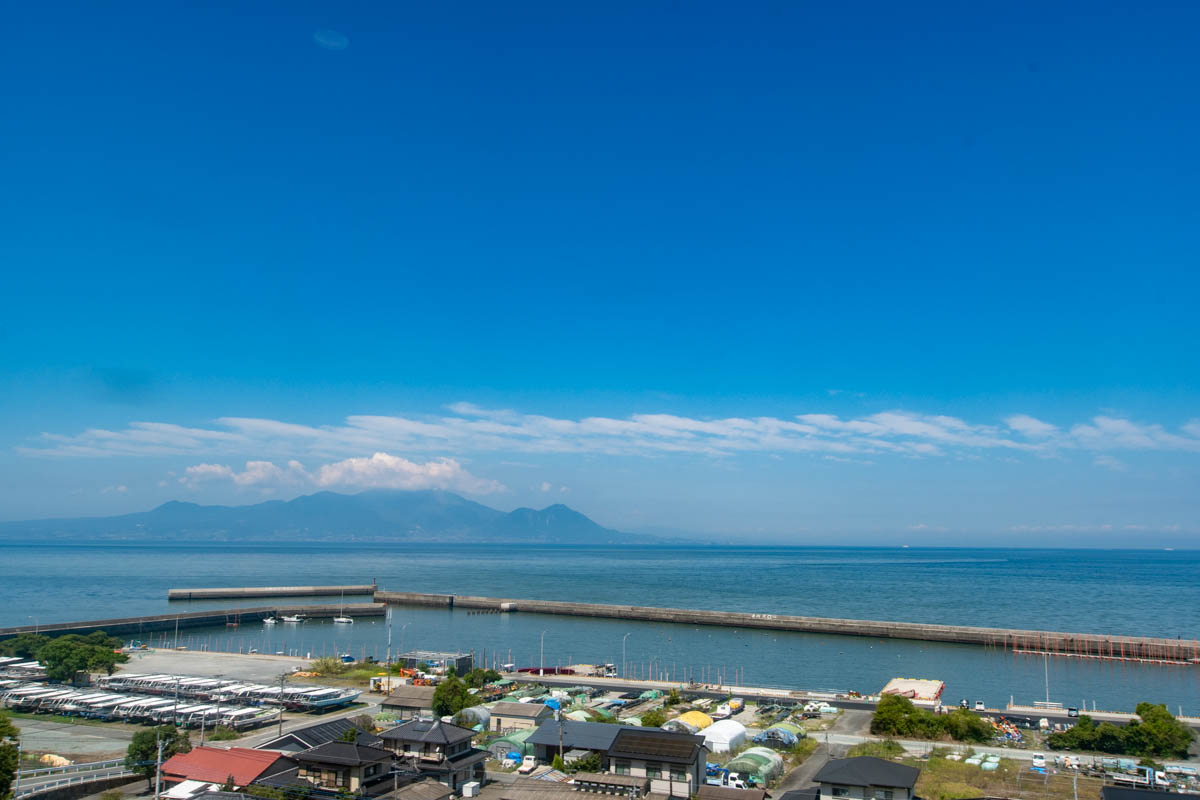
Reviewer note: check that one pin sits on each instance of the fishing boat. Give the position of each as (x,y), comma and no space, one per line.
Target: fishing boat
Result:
(293,618)
(269,620)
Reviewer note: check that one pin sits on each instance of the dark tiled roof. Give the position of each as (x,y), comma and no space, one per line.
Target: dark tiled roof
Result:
(314,735)
(343,754)
(423,790)
(728,793)
(1129,793)
(656,745)
(609,779)
(581,735)
(530,710)
(811,793)
(867,771)
(428,731)
(419,696)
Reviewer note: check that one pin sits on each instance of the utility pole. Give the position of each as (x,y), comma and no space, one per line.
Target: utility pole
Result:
(175,708)
(542,655)
(17,775)
(1046,660)
(158,766)
(282,678)
(387,659)
(624,663)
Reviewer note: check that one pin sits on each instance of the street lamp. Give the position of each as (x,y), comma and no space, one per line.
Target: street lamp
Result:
(623,662)
(35,625)
(542,654)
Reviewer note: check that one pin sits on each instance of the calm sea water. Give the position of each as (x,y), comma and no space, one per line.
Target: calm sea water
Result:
(1155,593)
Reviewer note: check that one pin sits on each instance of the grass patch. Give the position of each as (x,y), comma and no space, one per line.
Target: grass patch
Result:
(943,779)
(884,748)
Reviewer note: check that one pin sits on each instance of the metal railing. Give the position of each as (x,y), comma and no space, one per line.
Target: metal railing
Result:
(87,766)
(87,777)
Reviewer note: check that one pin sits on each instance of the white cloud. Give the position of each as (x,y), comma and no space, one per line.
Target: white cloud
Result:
(379,471)
(1030,426)
(331,40)
(467,428)
(1110,462)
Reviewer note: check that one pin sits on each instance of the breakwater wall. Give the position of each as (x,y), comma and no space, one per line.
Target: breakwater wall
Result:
(134,626)
(270,591)
(1055,643)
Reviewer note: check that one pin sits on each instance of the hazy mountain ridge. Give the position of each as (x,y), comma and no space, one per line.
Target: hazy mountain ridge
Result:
(382,515)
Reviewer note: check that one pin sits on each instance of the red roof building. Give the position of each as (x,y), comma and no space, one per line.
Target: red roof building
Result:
(216,765)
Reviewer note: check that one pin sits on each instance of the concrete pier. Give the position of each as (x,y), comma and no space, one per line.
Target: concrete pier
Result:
(1055,643)
(270,591)
(134,626)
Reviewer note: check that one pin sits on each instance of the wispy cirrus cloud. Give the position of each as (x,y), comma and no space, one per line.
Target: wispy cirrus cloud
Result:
(379,471)
(467,428)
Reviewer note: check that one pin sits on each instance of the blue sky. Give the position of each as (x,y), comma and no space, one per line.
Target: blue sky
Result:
(779,270)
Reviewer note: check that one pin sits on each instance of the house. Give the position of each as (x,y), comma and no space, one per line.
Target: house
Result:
(594,737)
(343,766)
(218,765)
(438,750)
(409,702)
(674,762)
(519,716)
(315,735)
(866,778)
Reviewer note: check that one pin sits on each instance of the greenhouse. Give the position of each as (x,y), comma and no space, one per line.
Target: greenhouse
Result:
(759,763)
(678,726)
(696,719)
(724,736)
(512,743)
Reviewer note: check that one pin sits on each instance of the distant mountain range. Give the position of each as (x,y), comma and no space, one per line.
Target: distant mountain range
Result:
(378,515)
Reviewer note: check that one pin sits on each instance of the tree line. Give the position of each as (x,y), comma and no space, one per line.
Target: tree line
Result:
(65,656)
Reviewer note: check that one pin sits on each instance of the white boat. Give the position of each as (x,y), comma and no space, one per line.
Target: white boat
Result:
(294,618)
(341,618)
(269,620)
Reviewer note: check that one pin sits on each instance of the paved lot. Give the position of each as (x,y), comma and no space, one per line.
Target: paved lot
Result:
(77,742)
(235,666)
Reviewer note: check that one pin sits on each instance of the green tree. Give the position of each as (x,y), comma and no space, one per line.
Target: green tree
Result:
(328,665)
(557,763)
(228,785)
(452,696)
(23,645)
(8,754)
(479,677)
(143,749)
(654,719)
(673,698)
(589,763)
(349,735)
(65,656)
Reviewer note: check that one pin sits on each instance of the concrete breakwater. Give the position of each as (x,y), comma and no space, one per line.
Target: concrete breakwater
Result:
(270,591)
(1055,643)
(134,626)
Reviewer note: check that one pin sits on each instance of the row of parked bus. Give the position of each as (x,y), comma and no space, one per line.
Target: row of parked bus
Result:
(110,706)
(213,690)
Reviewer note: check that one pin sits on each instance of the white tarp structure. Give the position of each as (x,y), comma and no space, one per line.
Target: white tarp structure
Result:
(724,736)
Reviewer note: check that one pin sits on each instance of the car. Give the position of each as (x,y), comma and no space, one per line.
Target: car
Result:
(1072,712)
(528,765)
(979,706)
(1039,760)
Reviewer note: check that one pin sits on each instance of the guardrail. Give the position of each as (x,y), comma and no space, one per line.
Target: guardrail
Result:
(86,766)
(87,777)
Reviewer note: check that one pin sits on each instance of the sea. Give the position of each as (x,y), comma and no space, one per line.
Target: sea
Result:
(1135,592)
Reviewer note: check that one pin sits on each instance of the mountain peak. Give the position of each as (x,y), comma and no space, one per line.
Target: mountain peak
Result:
(375,515)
